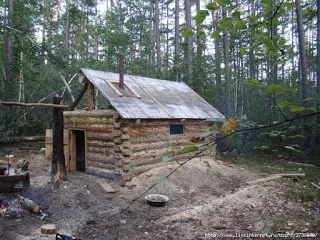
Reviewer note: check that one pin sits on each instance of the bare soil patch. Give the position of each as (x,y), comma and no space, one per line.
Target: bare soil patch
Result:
(205,196)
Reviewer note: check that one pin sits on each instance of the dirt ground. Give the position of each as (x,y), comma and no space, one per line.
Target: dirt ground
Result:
(206,197)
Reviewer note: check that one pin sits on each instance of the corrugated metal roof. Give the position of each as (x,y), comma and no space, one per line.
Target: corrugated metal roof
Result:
(159,98)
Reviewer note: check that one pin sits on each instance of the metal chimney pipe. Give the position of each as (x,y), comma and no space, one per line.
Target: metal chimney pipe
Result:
(121,70)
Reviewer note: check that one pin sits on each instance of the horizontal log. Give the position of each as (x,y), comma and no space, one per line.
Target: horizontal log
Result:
(162,144)
(94,113)
(158,138)
(158,158)
(97,143)
(125,137)
(101,165)
(23,139)
(3,103)
(99,136)
(102,150)
(92,128)
(83,120)
(100,157)
(127,145)
(143,123)
(148,130)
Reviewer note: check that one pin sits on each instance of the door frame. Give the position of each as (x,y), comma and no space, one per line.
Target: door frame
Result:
(72,141)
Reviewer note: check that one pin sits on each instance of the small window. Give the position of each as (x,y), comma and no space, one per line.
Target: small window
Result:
(176,129)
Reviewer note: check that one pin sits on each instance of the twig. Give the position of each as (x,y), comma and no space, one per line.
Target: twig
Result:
(315,185)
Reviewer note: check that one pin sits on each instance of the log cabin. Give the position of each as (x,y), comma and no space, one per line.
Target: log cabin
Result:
(145,118)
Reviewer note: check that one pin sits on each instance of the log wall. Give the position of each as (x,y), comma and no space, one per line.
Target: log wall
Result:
(99,129)
(112,143)
(147,141)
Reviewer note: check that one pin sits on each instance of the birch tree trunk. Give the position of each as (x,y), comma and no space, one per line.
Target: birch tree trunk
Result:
(21,97)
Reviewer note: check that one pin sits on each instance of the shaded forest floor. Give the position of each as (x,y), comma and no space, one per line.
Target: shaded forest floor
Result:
(206,196)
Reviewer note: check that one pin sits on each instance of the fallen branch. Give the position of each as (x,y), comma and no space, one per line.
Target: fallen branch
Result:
(315,185)
(22,139)
(2,103)
(275,177)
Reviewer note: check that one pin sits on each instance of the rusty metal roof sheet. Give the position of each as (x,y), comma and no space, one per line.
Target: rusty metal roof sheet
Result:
(151,98)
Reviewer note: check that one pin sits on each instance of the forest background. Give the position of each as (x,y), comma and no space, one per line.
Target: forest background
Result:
(257,60)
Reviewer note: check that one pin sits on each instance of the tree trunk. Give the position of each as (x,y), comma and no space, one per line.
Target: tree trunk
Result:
(226,68)
(9,80)
(21,97)
(67,40)
(157,33)
(189,42)
(318,68)
(176,41)
(304,90)
(58,167)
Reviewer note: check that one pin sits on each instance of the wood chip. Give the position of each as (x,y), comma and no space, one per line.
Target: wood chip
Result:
(105,186)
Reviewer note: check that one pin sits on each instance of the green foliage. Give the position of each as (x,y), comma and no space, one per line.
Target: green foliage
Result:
(189,148)
(291,106)
(223,2)
(264,148)
(131,165)
(241,24)
(293,148)
(187,33)
(212,6)
(253,82)
(278,89)
(201,16)
(216,34)
(226,23)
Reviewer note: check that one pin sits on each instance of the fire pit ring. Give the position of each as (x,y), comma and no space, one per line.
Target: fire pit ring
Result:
(156,200)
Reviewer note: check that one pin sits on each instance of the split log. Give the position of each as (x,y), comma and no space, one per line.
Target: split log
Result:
(23,139)
(2,103)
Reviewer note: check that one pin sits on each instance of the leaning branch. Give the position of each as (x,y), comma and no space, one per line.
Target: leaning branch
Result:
(2,103)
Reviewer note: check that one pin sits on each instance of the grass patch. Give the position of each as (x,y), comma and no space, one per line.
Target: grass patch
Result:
(302,190)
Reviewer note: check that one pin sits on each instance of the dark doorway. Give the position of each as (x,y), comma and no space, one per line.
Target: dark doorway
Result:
(80,151)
